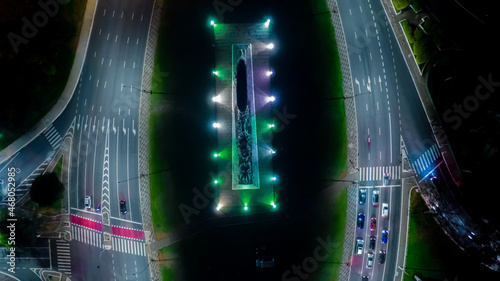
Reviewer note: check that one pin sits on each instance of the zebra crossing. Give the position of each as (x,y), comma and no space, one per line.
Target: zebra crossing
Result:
(129,246)
(63,256)
(377,173)
(23,188)
(87,235)
(53,137)
(121,244)
(426,159)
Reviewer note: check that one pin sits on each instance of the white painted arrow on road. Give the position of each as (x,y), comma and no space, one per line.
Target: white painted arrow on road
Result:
(133,129)
(124,130)
(102,129)
(114,128)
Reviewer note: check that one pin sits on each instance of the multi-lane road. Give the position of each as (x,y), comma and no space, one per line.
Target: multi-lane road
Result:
(389,111)
(98,130)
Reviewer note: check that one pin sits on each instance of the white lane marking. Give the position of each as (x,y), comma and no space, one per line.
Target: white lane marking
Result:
(390,136)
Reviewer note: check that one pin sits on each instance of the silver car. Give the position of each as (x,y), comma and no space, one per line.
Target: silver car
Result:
(369,261)
(87,202)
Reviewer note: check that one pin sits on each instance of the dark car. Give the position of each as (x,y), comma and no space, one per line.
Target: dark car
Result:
(365,278)
(372,242)
(385,235)
(123,206)
(387,178)
(361,221)
(362,196)
(381,257)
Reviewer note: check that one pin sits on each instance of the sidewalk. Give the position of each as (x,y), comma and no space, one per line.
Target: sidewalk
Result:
(421,86)
(63,101)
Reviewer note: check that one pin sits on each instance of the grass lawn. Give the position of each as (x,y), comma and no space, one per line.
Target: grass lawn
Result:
(432,255)
(311,149)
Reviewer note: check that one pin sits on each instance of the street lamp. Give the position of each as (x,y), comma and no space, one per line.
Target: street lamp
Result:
(216,125)
(270,46)
(269,73)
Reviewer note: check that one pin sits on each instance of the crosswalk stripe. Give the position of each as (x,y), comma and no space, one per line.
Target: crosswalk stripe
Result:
(377,173)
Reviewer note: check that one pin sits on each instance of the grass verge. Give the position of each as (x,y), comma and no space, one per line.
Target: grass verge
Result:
(431,255)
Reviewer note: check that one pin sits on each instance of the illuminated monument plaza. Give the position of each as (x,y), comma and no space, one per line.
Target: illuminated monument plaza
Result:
(244,119)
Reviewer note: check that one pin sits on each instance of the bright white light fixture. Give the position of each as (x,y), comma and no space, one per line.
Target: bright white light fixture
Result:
(269,73)
(270,99)
(266,24)
(216,98)
(273,178)
(216,125)
(219,206)
(270,46)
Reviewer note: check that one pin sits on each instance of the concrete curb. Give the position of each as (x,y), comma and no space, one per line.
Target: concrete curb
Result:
(144,109)
(68,91)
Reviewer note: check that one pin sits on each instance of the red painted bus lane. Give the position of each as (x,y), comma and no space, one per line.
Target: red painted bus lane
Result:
(125,232)
(86,222)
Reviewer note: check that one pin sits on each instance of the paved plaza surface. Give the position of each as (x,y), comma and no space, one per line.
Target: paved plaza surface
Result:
(233,41)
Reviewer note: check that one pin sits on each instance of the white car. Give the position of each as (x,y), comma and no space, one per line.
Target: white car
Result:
(359,246)
(385,209)
(87,202)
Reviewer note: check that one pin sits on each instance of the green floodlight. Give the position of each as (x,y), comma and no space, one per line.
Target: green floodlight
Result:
(246,207)
(270,126)
(216,181)
(216,155)
(273,178)
(273,204)
(212,23)
(216,73)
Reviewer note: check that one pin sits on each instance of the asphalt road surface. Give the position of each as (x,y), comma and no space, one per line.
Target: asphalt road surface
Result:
(101,124)
(388,111)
